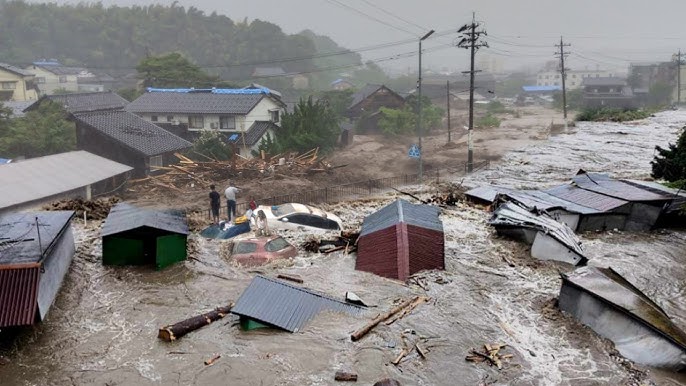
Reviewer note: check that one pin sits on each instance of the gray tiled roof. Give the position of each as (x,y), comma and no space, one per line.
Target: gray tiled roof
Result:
(134,132)
(17,107)
(284,305)
(255,133)
(124,217)
(86,101)
(604,81)
(19,238)
(194,103)
(16,70)
(424,216)
(363,93)
(64,70)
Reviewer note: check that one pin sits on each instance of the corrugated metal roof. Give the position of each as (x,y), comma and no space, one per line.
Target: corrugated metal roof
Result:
(601,183)
(424,216)
(18,295)
(124,217)
(586,198)
(286,306)
(195,103)
(42,177)
(677,197)
(134,132)
(20,240)
(614,289)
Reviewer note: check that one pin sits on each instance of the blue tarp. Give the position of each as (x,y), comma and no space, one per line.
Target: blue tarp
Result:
(216,231)
(541,88)
(213,90)
(4,161)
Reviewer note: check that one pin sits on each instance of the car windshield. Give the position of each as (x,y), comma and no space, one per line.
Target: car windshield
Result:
(280,210)
(244,247)
(276,245)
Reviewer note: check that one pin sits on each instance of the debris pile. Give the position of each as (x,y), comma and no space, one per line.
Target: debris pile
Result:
(97,209)
(491,354)
(346,242)
(189,173)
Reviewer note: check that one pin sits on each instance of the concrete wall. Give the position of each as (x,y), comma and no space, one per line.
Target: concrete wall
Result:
(574,79)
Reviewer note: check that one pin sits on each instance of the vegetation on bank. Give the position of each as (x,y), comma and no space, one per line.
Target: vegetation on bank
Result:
(613,115)
(670,163)
(487,121)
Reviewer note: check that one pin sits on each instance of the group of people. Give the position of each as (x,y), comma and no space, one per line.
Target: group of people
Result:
(261,225)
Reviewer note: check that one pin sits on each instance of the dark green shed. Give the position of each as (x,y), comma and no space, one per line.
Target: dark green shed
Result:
(136,236)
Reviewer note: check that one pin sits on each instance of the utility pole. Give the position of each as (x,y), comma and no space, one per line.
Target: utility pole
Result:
(563,74)
(419,105)
(679,62)
(447,94)
(470,41)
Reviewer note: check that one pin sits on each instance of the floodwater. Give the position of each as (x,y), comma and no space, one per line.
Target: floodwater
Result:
(102,329)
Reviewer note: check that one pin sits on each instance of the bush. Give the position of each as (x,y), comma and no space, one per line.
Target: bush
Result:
(497,107)
(670,163)
(212,144)
(487,121)
(613,115)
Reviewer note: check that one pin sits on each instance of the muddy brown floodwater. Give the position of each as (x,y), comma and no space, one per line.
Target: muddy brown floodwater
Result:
(102,329)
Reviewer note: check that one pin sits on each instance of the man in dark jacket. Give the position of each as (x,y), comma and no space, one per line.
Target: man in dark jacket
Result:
(215,200)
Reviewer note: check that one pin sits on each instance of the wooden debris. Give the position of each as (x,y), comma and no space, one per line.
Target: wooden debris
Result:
(346,241)
(96,209)
(357,335)
(173,332)
(420,350)
(419,300)
(400,356)
(211,361)
(293,278)
(345,376)
(491,355)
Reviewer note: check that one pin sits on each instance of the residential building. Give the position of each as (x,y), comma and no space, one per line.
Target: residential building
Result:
(574,79)
(364,108)
(16,84)
(51,75)
(244,116)
(341,84)
(84,102)
(126,138)
(611,92)
(491,64)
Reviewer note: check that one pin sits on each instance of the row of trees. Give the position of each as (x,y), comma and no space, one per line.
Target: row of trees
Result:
(45,130)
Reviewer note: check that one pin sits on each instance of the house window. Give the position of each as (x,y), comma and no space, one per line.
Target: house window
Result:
(156,161)
(274,115)
(63,79)
(153,118)
(40,79)
(170,118)
(196,122)
(227,122)
(8,85)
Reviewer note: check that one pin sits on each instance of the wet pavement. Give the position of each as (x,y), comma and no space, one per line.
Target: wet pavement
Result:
(102,329)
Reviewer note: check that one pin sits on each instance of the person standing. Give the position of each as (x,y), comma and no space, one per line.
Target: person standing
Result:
(215,202)
(230,194)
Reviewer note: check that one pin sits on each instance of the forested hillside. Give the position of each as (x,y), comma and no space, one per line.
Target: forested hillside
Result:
(115,39)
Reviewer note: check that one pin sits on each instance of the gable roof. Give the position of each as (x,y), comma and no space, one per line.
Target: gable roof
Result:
(59,69)
(15,70)
(85,101)
(38,178)
(124,217)
(20,241)
(284,305)
(586,198)
(134,132)
(196,102)
(603,184)
(364,93)
(254,134)
(423,216)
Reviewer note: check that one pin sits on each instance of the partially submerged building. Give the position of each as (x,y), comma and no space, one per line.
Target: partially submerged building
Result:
(615,309)
(268,302)
(549,238)
(36,250)
(401,239)
(137,236)
(75,174)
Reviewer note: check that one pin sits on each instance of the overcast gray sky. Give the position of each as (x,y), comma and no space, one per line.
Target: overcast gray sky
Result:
(605,33)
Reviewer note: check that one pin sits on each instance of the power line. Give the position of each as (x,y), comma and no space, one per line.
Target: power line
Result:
(563,73)
(422,28)
(365,15)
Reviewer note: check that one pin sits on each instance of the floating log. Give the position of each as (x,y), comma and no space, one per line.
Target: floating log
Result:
(400,356)
(294,278)
(345,376)
(173,332)
(357,335)
(211,361)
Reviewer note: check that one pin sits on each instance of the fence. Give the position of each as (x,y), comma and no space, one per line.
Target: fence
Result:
(351,190)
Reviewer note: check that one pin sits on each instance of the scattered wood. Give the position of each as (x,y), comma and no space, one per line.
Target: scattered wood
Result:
(419,300)
(334,249)
(293,278)
(175,331)
(346,241)
(357,335)
(411,195)
(345,376)
(400,356)
(491,354)
(96,209)
(211,361)
(420,350)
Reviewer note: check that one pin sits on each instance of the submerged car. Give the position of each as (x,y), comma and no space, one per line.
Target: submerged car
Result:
(255,251)
(300,217)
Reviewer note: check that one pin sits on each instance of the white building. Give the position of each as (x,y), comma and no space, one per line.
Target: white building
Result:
(575,78)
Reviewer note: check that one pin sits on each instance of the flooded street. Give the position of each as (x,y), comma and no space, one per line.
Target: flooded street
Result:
(102,329)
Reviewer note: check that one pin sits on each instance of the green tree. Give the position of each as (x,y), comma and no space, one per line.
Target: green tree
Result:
(339,101)
(173,70)
(211,143)
(397,121)
(432,115)
(43,131)
(310,125)
(670,163)
(268,145)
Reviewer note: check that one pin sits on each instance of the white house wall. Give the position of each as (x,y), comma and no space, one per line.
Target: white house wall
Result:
(52,81)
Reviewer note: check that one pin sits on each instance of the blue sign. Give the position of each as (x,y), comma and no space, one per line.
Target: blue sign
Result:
(414,151)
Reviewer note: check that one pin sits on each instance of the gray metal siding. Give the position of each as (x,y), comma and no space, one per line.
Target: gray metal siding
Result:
(55,268)
(283,305)
(424,216)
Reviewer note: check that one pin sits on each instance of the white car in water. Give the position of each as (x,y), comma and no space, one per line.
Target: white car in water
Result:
(299,217)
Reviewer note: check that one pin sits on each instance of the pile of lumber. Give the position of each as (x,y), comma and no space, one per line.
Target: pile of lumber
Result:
(346,242)
(188,172)
(491,355)
(97,209)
